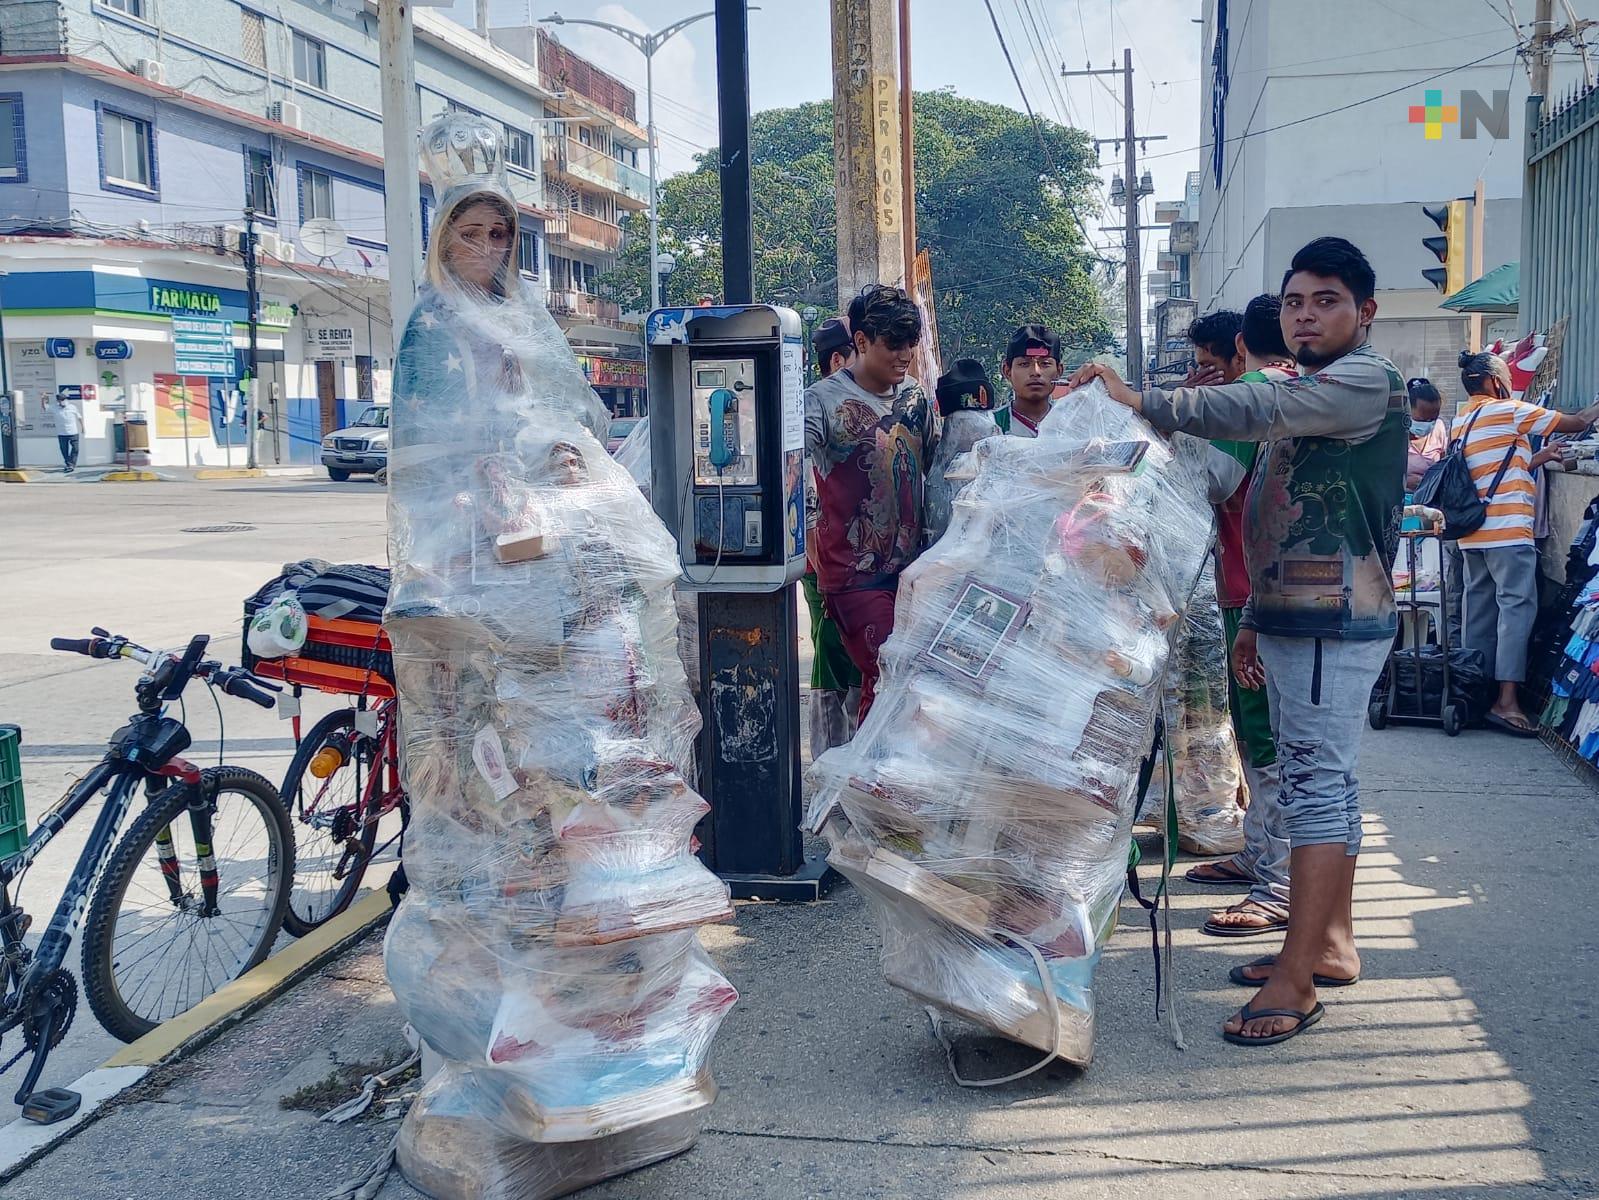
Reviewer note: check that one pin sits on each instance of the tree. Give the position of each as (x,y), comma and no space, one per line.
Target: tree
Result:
(1002,228)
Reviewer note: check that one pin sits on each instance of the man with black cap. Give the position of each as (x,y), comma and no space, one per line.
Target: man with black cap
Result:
(831,347)
(1032,367)
(966,402)
(835,681)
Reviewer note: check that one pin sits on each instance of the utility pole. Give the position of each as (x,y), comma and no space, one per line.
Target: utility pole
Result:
(868,152)
(252,303)
(733,119)
(1135,189)
(1135,260)
(401,207)
(1540,47)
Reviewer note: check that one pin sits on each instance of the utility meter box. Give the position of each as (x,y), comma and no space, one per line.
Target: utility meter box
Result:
(727,442)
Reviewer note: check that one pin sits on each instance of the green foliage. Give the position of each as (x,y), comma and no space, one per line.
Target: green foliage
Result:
(1005,245)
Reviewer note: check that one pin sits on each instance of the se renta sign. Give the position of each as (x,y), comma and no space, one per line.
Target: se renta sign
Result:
(112,351)
(328,343)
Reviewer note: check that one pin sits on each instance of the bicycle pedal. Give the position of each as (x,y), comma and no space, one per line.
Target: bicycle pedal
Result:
(51,1105)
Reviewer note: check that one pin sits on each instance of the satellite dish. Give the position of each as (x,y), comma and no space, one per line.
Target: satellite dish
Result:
(323,237)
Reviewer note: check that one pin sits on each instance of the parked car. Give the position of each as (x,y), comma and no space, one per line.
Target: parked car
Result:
(361,448)
(620,428)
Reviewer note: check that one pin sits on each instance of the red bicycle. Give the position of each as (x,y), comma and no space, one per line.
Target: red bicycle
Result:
(345,775)
(343,780)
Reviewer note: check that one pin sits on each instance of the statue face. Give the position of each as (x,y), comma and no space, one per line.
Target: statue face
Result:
(478,245)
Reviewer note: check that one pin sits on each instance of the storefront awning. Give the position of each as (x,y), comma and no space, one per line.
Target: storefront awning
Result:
(1499,291)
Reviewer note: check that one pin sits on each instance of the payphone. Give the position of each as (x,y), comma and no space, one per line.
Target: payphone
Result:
(727,426)
(727,476)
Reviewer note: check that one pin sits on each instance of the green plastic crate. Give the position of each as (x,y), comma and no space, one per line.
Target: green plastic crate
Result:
(13,817)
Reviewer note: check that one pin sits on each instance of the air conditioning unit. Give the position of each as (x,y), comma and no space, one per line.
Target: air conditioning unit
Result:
(153,70)
(230,237)
(274,245)
(284,112)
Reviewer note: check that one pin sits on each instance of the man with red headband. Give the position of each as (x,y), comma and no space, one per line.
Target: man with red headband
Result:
(1032,367)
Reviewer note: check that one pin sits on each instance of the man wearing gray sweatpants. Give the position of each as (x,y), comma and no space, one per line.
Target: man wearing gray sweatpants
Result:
(1321,526)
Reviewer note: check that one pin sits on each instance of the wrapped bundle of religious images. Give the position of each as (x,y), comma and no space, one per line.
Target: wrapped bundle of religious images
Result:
(546,949)
(1207,775)
(985,807)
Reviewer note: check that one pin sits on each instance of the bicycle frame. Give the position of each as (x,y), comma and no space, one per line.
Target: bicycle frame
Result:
(374,803)
(119,777)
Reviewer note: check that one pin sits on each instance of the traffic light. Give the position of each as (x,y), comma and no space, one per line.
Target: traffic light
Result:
(1449,249)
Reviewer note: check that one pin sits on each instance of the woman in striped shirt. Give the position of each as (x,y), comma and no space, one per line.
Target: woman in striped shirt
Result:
(1501,559)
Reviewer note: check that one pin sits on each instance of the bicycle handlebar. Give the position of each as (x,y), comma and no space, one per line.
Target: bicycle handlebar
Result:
(235,681)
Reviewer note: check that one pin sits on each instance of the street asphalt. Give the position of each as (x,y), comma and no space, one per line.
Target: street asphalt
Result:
(75,553)
(1461,1066)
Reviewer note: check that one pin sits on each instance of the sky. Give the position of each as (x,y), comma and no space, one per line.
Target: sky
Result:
(953,44)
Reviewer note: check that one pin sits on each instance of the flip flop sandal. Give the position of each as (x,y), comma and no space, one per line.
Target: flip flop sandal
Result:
(1322,981)
(1305,1019)
(1514,730)
(1274,925)
(1228,880)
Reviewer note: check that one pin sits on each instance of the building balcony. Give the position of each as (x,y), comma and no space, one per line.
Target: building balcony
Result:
(582,305)
(591,233)
(633,183)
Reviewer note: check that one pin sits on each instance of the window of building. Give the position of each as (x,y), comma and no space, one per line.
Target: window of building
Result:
(252,38)
(518,148)
(127,146)
(316,195)
(260,183)
(134,8)
(310,61)
(527,252)
(13,143)
(585,135)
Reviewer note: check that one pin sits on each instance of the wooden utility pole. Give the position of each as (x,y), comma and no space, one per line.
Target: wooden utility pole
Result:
(867,147)
(401,218)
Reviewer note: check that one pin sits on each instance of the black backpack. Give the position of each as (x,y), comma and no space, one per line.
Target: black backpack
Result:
(1449,487)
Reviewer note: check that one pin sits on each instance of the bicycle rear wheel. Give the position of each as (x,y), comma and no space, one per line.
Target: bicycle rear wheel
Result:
(333,837)
(153,947)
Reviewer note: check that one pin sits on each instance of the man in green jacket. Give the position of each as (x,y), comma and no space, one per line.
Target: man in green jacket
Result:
(1321,526)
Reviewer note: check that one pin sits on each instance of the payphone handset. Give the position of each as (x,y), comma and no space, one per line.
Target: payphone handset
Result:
(726,422)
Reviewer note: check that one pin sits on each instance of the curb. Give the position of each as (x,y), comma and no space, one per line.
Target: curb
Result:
(22,1142)
(16,476)
(229,473)
(134,476)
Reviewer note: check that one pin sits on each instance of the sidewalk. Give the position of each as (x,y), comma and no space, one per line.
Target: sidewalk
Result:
(1463,1066)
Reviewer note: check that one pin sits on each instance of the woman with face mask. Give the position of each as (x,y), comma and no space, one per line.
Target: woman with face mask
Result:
(1429,436)
(545,950)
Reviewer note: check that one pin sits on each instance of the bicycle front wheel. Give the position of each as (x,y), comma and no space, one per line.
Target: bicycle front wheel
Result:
(334,834)
(159,937)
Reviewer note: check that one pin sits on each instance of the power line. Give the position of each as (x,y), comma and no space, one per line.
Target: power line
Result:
(1038,129)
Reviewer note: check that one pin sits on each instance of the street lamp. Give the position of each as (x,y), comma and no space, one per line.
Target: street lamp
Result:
(646,44)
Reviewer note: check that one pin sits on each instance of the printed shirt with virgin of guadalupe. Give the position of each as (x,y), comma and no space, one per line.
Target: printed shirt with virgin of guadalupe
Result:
(870,454)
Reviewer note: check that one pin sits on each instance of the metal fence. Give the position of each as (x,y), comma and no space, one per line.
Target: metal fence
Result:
(1560,237)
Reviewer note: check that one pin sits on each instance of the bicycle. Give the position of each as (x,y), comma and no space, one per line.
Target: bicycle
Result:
(344,779)
(212,900)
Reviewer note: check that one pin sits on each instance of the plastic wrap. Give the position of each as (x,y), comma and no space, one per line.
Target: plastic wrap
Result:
(985,807)
(546,948)
(1199,730)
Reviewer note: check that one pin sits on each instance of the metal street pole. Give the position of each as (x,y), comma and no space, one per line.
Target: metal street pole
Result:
(8,405)
(655,214)
(646,44)
(733,119)
(401,208)
(252,300)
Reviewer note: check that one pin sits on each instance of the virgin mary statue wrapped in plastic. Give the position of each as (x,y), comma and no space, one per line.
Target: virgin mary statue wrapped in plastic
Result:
(546,951)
